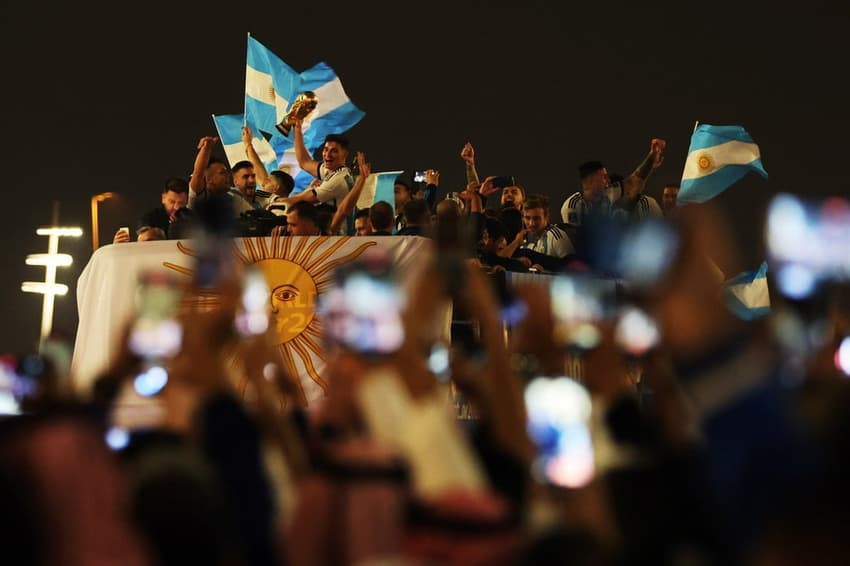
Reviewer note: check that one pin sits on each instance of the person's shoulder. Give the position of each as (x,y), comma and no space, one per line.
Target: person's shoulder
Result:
(328,173)
(573,208)
(556,232)
(573,200)
(647,206)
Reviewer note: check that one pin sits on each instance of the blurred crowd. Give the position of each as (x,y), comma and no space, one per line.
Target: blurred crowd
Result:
(606,407)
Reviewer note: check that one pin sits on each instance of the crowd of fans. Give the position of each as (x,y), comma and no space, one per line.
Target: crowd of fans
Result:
(715,441)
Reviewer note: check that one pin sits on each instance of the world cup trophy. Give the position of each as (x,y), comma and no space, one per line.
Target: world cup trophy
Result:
(304,104)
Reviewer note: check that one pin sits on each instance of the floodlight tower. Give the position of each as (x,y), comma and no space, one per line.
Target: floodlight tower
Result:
(51,260)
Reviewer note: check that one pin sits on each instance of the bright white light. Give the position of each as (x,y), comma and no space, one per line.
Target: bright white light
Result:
(44,288)
(558,411)
(796,281)
(636,332)
(117,438)
(60,231)
(438,360)
(151,381)
(787,228)
(59,260)
(256,322)
(156,338)
(842,356)
(586,336)
(270,371)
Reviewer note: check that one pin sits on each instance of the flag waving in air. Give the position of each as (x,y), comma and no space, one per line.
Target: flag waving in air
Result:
(718,157)
(229,127)
(378,187)
(747,295)
(271,86)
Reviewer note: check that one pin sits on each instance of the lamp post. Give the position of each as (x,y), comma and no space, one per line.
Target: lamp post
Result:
(95,236)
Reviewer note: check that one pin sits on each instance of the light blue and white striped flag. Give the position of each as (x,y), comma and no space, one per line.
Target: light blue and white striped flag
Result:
(378,187)
(717,158)
(229,127)
(747,295)
(270,88)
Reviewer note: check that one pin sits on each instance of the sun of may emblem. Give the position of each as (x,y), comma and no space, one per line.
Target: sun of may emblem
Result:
(297,271)
(704,162)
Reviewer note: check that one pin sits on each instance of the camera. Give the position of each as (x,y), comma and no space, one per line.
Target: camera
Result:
(419,177)
(258,222)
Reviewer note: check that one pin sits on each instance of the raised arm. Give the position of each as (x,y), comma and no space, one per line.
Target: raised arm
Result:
(347,204)
(305,160)
(254,157)
(468,156)
(634,184)
(197,182)
(472,198)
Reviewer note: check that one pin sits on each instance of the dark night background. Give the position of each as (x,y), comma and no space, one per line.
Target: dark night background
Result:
(115,99)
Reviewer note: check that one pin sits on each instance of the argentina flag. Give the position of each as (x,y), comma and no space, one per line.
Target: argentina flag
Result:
(229,127)
(718,157)
(270,88)
(747,295)
(378,187)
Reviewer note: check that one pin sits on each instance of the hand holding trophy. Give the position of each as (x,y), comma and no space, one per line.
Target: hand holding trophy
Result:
(302,106)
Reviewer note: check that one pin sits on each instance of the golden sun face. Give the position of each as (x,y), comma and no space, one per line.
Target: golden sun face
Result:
(293,299)
(298,269)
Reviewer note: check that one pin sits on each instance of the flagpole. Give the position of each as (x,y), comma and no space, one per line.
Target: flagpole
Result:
(696,123)
(245,99)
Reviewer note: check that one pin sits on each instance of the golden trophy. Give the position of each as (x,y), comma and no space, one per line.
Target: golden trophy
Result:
(304,104)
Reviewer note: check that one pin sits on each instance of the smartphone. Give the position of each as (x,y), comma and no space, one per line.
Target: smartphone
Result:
(252,316)
(362,309)
(156,332)
(504,181)
(419,177)
(807,242)
(579,303)
(454,245)
(512,309)
(558,421)
(646,252)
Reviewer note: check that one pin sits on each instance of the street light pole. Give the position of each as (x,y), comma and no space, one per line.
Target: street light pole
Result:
(95,236)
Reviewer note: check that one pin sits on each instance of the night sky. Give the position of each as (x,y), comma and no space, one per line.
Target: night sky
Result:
(101,100)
